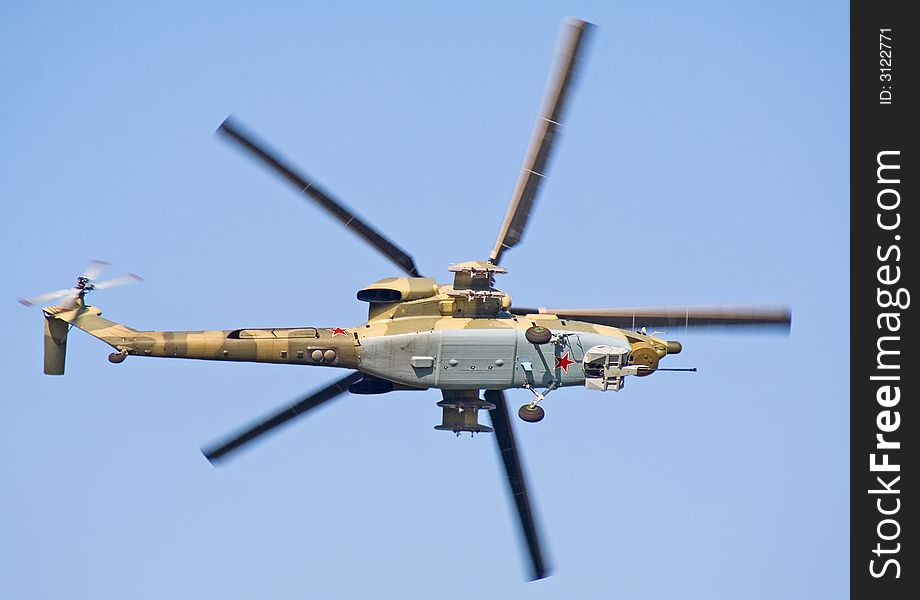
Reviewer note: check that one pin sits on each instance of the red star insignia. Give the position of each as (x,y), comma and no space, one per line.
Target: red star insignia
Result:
(338,331)
(564,362)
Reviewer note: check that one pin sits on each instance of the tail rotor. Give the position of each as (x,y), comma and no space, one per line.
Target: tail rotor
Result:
(56,329)
(85,283)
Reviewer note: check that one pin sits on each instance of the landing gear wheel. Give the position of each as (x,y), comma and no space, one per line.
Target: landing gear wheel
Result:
(118,357)
(538,335)
(531,415)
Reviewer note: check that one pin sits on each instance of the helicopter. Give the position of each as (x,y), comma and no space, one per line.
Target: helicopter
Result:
(464,338)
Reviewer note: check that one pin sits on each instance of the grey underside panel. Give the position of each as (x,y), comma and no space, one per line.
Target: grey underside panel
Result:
(477,358)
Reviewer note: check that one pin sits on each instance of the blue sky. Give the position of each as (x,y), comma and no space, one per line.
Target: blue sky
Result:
(705,158)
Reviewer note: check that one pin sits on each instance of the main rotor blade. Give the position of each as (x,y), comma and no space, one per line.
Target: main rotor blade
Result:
(281,417)
(309,187)
(673,317)
(536,161)
(517,485)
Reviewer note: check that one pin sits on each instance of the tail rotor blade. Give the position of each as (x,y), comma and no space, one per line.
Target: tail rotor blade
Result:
(95,268)
(43,298)
(330,392)
(309,187)
(517,485)
(116,281)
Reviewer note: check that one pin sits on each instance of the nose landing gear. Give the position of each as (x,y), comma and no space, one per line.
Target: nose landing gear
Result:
(538,335)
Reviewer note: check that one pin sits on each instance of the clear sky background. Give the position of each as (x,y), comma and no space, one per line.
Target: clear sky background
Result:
(705,160)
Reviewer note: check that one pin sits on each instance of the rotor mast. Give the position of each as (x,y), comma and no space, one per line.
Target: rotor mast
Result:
(472,292)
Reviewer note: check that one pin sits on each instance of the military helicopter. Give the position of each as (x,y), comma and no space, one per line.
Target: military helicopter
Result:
(461,338)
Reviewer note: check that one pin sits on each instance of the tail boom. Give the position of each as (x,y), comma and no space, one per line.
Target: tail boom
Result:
(306,345)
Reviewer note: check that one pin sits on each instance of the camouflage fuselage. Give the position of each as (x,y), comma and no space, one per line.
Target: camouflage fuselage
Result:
(433,337)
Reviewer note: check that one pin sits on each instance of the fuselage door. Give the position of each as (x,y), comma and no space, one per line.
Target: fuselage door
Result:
(471,358)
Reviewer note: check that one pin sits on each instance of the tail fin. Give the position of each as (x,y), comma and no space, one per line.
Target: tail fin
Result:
(55,344)
(58,320)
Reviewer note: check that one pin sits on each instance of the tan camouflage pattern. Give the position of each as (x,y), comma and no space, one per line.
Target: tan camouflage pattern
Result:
(332,347)
(446,310)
